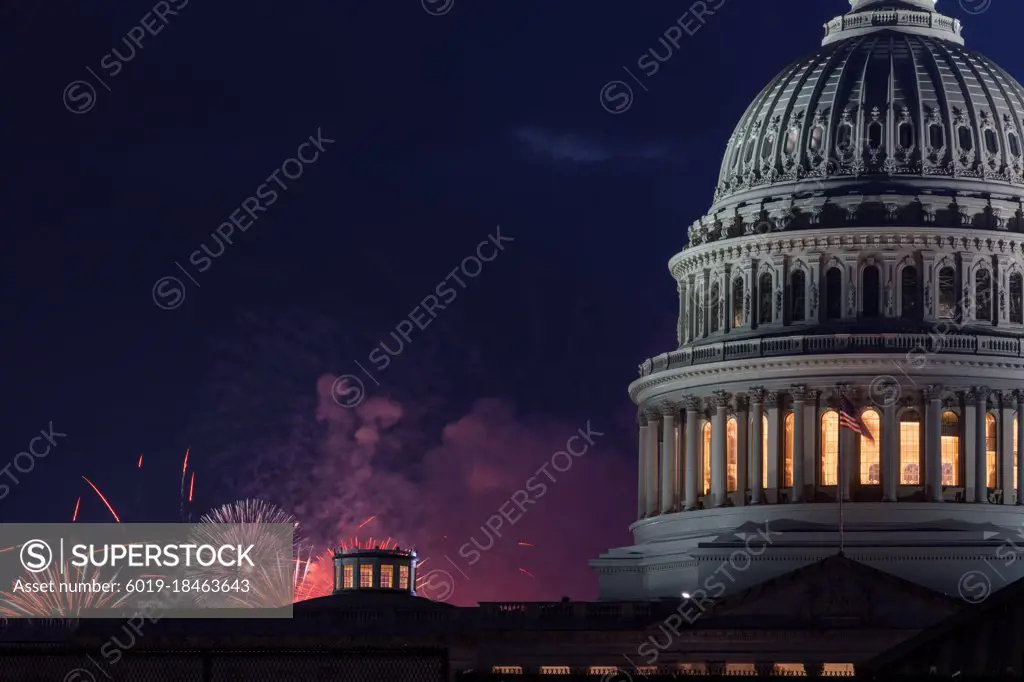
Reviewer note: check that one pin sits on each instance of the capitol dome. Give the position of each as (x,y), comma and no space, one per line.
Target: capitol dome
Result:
(850,326)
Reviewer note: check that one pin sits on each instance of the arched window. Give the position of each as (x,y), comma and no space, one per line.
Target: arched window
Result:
(991,142)
(964,138)
(910,448)
(874,135)
(947,292)
(817,136)
(844,137)
(714,308)
(766,147)
(833,294)
(737,302)
(790,142)
(990,450)
(983,295)
(731,454)
(870,458)
(908,292)
(764,298)
(830,448)
(950,448)
(1014,144)
(706,456)
(787,457)
(764,451)
(797,294)
(936,136)
(1017,298)
(871,291)
(906,135)
(748,153)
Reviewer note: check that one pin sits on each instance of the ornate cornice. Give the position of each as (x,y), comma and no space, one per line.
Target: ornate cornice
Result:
(667,408)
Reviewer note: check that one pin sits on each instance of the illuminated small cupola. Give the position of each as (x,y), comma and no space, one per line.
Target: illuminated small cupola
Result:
(374,569)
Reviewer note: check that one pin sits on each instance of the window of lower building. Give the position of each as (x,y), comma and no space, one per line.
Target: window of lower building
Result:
(349,580)
(387,576)
(838,669)
(787,459)
(605,670)
(870,452)
(693,668)
(790,669)
(403,577)
(740,669)
(731,454)
(507,670)
(830,448)
(950,448)
(365,575)
(706,452)
(555,670)
(910,448)
(990,450)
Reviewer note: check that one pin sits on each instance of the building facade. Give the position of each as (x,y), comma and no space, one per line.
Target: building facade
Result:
(865,239)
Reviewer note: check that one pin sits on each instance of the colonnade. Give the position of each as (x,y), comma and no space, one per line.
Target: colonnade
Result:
(767,446)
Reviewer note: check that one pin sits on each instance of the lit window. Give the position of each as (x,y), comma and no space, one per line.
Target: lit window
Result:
(731,452)
(787,460)
(869,450)
(507,670)
(387,575)
(790,142)
(605,670)
(817,134)
(555,670)
(365,575)
(349,580)
(950,448)
(838,669)
(707,457)
(790,669)
(764,450)
(990,450)
(910,448)
(403,577)
(830,448)
(740,669)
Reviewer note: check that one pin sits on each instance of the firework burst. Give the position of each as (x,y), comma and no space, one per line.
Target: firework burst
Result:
(314,577)
(271,578)
(59,604)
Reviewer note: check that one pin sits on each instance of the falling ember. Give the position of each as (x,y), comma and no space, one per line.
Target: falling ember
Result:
(525,572)
(524,543)
(184,465)
(74,517)
(181,494)
(91,484)
(140,461)
(191,486)
(367,521)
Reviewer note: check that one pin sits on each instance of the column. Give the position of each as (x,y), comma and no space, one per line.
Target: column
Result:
(799,394)
(652,462)
(681,326)
(812,425)
(718,465)
(669,459)
(1005,478)
(890,445)
(1019,395)
(641,478)
(693,451)
(742,465)
(933,442)
(756,444)
(771,404)
(980,398)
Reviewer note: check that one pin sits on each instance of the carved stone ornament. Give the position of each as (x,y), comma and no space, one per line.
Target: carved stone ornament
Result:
(742,402)
(932,392)
(771,399)
(979,395)
(651,414)
(757,394)
(721,399)
(668,408)
(692,403)
(799,392)
(1018,397)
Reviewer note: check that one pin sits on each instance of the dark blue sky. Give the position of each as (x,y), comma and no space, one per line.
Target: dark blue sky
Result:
(445,126)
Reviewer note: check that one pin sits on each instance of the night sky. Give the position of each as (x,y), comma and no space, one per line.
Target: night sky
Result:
(444,124)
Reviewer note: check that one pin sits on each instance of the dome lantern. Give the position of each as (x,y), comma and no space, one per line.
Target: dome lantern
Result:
(918,17)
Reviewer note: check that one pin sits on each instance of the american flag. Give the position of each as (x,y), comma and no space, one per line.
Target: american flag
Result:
(849,418)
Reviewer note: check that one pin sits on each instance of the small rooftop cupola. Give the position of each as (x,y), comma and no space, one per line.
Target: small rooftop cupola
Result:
(375,570)
(908,16)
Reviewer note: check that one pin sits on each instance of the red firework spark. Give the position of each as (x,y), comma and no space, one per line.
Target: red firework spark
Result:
(191,486)
(524,543)
(525,572)
(74,517)
(91,484)
(367,521)
(360,543)
(140,460)
(184,465)
(314,577)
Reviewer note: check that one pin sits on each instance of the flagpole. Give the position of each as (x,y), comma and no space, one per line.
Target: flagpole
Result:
(839,465)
